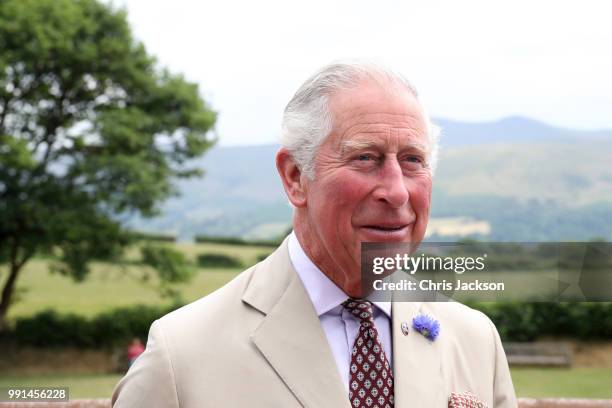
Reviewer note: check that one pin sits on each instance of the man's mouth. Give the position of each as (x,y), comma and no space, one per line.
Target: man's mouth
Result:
(385,232)
(386,227)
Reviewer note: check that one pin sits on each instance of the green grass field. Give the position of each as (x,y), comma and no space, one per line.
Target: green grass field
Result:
(110,286)
(529,382)
(80,386)
(579,382)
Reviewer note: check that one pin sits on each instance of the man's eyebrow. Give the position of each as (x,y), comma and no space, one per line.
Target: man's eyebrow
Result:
(418,147)
(348,146)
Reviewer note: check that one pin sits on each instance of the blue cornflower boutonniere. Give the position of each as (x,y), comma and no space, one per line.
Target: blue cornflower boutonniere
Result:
(427,326)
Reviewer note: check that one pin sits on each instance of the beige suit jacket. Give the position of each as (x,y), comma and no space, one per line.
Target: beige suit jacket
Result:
(257,342)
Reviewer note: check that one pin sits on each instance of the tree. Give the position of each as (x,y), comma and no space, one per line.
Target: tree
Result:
(91,130)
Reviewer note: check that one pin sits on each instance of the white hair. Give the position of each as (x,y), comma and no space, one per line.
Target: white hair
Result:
(307,120)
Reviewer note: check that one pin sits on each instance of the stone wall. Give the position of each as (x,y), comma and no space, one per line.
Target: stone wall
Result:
(563,403)
(523,403)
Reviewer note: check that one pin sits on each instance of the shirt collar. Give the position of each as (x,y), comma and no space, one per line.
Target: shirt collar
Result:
(323,293)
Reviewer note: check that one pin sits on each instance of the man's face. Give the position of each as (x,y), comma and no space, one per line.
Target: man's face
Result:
(372,183)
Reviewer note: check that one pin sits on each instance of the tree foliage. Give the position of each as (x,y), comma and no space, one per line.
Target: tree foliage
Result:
(91,130)
(171,267)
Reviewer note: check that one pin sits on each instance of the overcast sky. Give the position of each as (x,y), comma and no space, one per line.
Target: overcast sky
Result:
(470,60)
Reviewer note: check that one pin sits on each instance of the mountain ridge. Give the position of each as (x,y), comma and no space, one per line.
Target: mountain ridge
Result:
(478,177)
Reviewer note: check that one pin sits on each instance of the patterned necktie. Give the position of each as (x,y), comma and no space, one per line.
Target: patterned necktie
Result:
(370,377)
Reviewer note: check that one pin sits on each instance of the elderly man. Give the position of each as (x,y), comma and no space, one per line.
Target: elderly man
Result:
(295,330)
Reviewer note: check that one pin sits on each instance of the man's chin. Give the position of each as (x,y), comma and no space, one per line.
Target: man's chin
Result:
(358,292)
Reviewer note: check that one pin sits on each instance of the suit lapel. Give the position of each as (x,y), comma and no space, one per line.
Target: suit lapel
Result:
(417,368)
(290,336)
(291,339)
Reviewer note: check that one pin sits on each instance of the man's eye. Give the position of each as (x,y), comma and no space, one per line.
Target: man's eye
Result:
(414,159)
(365,157)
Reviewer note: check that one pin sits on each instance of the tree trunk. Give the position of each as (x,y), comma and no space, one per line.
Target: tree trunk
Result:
(9,287)
(7,293)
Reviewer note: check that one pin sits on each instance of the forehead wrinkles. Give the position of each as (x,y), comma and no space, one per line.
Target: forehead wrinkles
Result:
(395,132)
(344,123)
(379,123)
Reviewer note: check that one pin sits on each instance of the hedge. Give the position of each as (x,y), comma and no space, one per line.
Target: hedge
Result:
(146,236)
(527,321)
(215,260)
(236,241)
(515,322)
(116,327)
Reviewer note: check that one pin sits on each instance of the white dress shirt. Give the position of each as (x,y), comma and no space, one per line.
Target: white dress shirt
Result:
(339,325)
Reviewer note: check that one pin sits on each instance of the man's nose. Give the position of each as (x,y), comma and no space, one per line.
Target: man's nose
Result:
(392,187)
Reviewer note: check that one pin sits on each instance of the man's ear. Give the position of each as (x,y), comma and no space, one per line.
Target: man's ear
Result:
(291,176)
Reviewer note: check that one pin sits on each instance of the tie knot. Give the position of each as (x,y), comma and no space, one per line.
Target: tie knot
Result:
(360,308)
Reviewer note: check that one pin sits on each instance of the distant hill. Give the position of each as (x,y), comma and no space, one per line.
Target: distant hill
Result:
(523,178)
(570,173)
(513,129)
(240,192)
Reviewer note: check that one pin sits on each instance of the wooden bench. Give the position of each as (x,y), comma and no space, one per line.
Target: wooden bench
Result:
(538,354)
